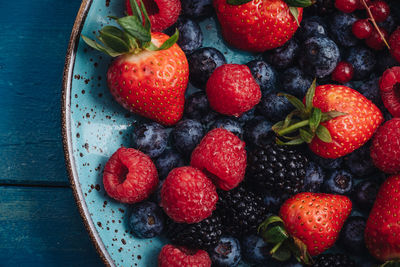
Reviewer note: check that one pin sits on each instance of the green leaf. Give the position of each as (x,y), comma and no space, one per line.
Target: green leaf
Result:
(295,13)
(310,96)
(300,3)
(147,23)
(315,119)
(114,38)
(302,252)
(280,253)
(306,136)
(100,48)
(294,142)
(270,220)
(237,2)
(167,44)
(326,116)
(276,234)
(136,10)
(277,126)
(324,134)
(294,101)
(391,264)
(134,27)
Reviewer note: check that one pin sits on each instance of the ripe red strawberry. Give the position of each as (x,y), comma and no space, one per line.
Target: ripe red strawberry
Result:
(221,155)
(150,74)
(385,149)
(382,232)
(258,25)
(389,85)
(232,90)
(162,13)
(394,42)
(336,120)
(312,220)
(130,176)
(172,256)
(188,196)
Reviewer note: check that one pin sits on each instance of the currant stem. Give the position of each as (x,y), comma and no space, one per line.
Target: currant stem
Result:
(371,17)
(293,127)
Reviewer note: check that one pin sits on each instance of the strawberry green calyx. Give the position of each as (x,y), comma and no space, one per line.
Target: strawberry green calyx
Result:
(273,231)
(306,120)
(395,263)
(133,37)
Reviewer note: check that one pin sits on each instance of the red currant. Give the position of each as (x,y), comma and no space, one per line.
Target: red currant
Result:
(394,43)
(360,4)
(362,28)
(380,10)
(346,6)
(343,72)
(375,41)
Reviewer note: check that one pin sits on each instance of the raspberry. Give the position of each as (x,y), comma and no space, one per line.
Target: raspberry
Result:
(171,256)
(232,90)
(385,149)
(162,13)
(394,43)
(389,85)
(188,196)
(130,176)
(221,155)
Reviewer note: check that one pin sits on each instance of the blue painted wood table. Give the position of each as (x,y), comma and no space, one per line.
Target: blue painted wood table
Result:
(39,221)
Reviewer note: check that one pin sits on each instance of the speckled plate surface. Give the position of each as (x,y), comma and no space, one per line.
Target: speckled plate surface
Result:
(94,126)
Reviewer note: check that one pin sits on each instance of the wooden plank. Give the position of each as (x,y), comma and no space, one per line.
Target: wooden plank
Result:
(34,39)
(42,227)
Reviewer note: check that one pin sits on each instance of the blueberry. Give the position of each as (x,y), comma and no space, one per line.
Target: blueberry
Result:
(340,27)
(370,89)
(247,115)
(156,196)
(389,24)
(255,250)
(328,164)
(359,162)
(230,125)
(187,134)
(312,26)
(319,56)
(146,220)
(264,74)
(386,61)
(322,7)
(226,253)
(314,178)
(282,57)
(150,138)
(363,61)
(295,82)
(258,132)
(273,202)
(168,160)
(352,235)
(196,106)
(202,64)
(274,107)
(364,194)
(339,182)
(190,35)
(210,118)
(197,8)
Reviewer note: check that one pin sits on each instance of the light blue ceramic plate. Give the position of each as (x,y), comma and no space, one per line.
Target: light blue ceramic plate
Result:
(94,126)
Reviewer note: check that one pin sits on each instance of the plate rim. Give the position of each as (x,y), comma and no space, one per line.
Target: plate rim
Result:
(67,135)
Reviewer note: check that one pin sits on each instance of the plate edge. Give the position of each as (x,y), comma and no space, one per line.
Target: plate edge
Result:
(67,137)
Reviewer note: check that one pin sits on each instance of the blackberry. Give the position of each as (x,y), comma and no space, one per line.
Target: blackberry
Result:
(241,211)
(203,235)
(334,260)
(277,169)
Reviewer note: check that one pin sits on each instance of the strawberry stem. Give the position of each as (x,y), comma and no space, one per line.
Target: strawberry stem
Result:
(293,127)
(371,18)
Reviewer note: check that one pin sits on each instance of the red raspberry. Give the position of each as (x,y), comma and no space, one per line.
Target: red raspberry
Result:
(162,13)
(188,196)
(171,256)
(232,90)
(130,176)
(385,149)
(221,155)
(343,72)
(389,85)
(375,41)
(394,43)
(362,29)
(380,10)
(346,6)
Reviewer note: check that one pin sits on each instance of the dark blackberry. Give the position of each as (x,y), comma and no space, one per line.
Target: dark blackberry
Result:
(241,211)
(333,260)
(202,235)
(277,169)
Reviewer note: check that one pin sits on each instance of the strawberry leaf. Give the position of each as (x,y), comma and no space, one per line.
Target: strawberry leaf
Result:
(324,134)
(315,119)
(167,44)
(294,142)
(326,116)
(295,13)
(310,96)
(280,253)
(276,234)
(237,2)
(134,27)
(294,101)
(306,136)
(300,3)
(301,251)
(147,23)
(136,10)
(99,47)
(114,38)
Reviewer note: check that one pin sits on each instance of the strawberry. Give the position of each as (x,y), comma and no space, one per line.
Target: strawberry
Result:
(312,221)
(335,120)
(150,73)
(382,232)
(259,25)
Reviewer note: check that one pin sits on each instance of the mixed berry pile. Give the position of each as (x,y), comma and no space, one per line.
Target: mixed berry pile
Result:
(266,161)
